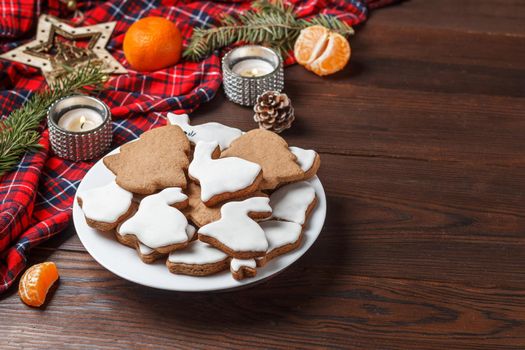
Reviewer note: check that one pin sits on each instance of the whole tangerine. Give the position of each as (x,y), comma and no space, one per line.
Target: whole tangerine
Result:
(152,43)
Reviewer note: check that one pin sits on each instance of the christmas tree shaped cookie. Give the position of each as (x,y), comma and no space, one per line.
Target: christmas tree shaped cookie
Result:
(154,162)
(271,152)
(222,179)
(236,233)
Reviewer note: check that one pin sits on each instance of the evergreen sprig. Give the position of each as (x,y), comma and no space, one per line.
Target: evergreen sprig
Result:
(271,23)
(19,132)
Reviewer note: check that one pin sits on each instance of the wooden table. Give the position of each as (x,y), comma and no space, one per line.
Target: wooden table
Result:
(422,141)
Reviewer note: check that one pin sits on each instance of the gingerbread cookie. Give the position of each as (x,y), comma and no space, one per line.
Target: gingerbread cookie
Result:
(150,255)
(236,233)
(157,160)
(220,133)
(282,237)
(293,202)
(105,207)
(198,259)
(222,179)
(308,160)
(242,269)
(271,152)
(147,254)
(157,224)
(202,215)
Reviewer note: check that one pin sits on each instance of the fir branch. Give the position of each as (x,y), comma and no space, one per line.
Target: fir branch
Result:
(18,133)
(273,23)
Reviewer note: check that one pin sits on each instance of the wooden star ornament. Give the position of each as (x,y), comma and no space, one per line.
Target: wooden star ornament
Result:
(57,45)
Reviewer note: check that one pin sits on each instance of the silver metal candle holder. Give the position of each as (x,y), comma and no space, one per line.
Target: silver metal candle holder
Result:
(79,145)
(245,89)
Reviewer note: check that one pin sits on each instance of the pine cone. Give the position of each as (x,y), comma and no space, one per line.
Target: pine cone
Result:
(273,111)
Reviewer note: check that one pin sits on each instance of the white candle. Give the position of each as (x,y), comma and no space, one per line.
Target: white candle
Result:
(80,119)
(252,67)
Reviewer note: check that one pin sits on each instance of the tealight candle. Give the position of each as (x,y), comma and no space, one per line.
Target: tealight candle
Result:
(249,71)
(252,67)
(79,127)
(80,119)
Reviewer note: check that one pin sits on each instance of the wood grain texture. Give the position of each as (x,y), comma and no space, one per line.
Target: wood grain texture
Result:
(306,306)
(423,163)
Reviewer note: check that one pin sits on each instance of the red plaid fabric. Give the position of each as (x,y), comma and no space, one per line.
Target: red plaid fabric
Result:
(36,197)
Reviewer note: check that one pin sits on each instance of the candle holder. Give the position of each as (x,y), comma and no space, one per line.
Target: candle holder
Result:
(263,71)
(79,145)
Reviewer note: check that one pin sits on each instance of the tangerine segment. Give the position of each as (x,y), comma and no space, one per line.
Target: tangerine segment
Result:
(334,58)
(152,43)
(310,44)
(35,283)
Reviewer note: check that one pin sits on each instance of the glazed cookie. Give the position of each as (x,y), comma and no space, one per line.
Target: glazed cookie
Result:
(149,255)
(158,223)
(282,237)
(293,202)
(222,179)
(220,133)
(198,259)
(236,233)
(202,215)
(270,151)
(105,207)
(308,160)
(242,269)
(157,160)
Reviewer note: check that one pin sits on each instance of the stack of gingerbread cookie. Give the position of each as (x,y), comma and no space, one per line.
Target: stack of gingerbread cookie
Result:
(245,193)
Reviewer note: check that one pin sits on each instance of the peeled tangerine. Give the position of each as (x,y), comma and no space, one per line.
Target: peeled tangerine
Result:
(322,51)
(35,283)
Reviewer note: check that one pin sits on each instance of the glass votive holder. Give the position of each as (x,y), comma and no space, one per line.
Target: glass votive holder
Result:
(79,127)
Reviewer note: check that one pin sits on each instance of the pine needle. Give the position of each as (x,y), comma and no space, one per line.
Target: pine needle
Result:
(18,133)
(271,23)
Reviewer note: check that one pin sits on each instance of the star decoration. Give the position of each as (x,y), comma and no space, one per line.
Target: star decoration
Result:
(55,46)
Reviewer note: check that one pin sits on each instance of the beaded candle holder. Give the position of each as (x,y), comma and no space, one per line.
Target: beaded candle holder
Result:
(79,127)
(250,70)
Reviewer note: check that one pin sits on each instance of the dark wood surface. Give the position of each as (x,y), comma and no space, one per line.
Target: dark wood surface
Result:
(422,140)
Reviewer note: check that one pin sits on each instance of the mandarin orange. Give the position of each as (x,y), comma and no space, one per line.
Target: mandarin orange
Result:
(322,51)
(35,283)
(152,43)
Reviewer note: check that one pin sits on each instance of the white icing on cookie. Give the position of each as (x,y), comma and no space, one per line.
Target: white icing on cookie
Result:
(236,264)
(280,233)
(157,224)
(106,203)
(220,133)
(236,229)
(222,175)
(291,202)
(190,231)
(145,250)
(197,253)
(305,157)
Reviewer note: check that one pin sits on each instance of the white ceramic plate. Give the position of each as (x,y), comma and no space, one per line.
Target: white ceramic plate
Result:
(124,262)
